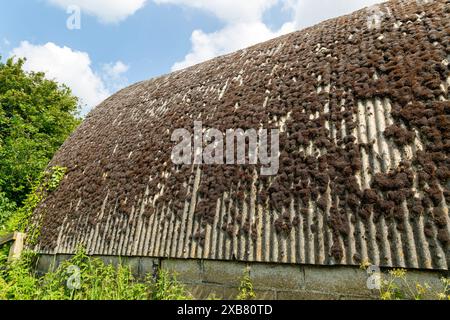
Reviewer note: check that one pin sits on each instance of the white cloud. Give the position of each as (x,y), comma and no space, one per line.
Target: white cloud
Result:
(108,11)
(228,10)
(115,69)
(244,24)
(231,38)
(243,27)
(243,19)
(113,75)
(72,68)
(309,12)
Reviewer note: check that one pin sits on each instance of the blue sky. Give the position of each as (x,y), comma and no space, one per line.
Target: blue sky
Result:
(124,41)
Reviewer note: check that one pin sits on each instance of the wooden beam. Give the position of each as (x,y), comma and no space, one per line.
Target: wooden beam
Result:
(16,249)
(8,238)
(18,240)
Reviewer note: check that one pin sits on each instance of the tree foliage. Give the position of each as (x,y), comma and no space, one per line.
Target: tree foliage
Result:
(36,117)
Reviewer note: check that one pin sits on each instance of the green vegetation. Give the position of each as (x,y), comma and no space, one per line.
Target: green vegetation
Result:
(84,278)
(4,252)
(20,219)
(7,208)
(87,278)
(36,117)
(397,286)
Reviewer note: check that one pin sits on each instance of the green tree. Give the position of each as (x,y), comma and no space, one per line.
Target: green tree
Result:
(36,117)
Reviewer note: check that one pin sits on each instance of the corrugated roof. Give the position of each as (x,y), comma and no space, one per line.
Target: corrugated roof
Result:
(364,167)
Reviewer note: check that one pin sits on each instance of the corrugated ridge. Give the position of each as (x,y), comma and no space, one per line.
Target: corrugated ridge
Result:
(160,233)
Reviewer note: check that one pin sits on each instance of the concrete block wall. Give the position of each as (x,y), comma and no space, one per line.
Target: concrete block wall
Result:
(205,278)
(271,281)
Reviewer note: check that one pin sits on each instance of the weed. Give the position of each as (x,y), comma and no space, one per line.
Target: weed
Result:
(95,281)
(398,287)
(246,291)
(167,287)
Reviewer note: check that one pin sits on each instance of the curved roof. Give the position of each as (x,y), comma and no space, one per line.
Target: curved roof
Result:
(362,104)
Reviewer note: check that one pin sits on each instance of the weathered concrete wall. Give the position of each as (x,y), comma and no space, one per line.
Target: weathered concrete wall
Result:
(204,278)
